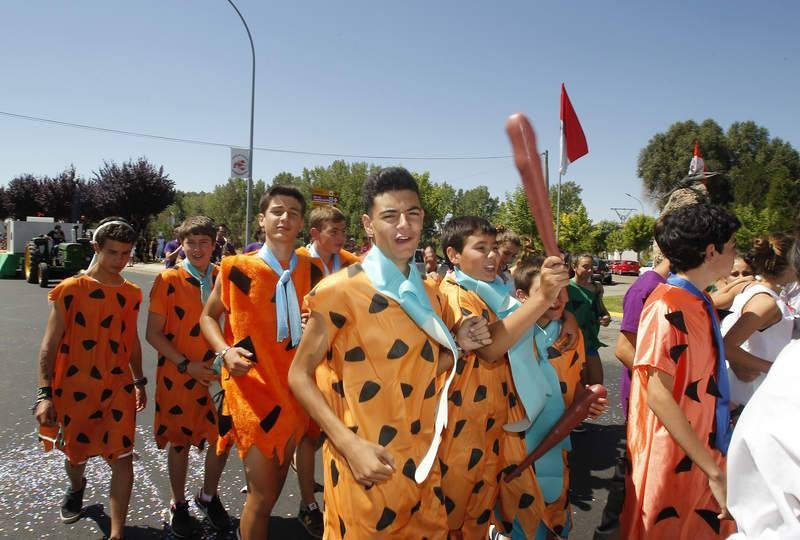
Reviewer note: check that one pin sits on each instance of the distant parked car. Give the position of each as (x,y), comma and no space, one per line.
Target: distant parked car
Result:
(612,265)
(600,271)
(646,268)
(626,267)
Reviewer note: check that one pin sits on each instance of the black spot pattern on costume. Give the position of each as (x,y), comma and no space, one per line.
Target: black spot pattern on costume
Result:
(193,281)
(460,365)
(355,354)
(484,517)
(512,400)
(439,493)
(552,352)
(190,384)
(168,383)
(563,386)
(386,435)
(316,275)
(409,469)
(338,387)
(449,505)
(684,465)
(67,420)
(72,370)
(186,431)
(117,414)
(89,344)
(575,358)
(465,312)
(64,349)
(691,390)
(82,438)
(240,279)
(117,371)
(96,415)
(79,396)
(106,394)
(176,410)
(676,319)
(268,422)
(113,345)
(443,466)
(342,528)
(505,388)
(480,394)
(80,319)
(161,429)
(337,319)
(406,389)
(525,500)
(68,301)
(202,401)
(489,423)
(334,474)
(95,373)
(496,447)
(455,397)
(210,355)
(368,391)
(416,508)
(458,427)
(676,351)
(474,457)
(427,351)
(58,392)
(126,442)
(477,487)
(128,388)
(378,304)
(430,391)
(668,512)
(105,437)
(170,289)
(180,312)
(225,424)
(712,387)
(387,518)
(485,314)
(710,517)
(106,323)
(195,331)
(416,425)
(97,294)
(121,300)
(210,417)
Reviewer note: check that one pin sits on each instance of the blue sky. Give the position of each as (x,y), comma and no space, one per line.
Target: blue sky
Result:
(379,78)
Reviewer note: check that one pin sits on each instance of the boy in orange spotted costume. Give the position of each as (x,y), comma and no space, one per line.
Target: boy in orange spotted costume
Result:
(260,295)
(185,415)
(479,443)
(90,372)
(373,371)
(327,227)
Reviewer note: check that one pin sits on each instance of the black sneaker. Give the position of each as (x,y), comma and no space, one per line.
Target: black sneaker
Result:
(72,504)
(311,519)
(214,511)
(180,521)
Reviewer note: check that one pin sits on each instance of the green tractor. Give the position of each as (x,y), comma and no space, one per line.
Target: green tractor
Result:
(43,263)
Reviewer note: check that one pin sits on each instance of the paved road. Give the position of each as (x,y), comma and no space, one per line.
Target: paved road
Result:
(31,483)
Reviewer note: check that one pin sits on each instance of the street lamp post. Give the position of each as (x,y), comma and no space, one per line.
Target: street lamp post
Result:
(641,206)
(249,208)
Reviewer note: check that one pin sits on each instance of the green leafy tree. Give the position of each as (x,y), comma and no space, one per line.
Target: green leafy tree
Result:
(615,241)
(600,232)
(25,196)
(515,214)
(476,202)
(570,197)
(755,224)
(638,232)
(575,232)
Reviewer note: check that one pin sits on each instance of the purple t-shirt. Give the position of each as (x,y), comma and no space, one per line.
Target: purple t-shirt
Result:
(632,306)
(253,246)
(171,246)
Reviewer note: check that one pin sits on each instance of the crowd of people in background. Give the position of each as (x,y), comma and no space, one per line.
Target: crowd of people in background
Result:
(426,375)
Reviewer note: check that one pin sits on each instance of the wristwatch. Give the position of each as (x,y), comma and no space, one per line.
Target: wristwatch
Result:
(140,382)
(183,366)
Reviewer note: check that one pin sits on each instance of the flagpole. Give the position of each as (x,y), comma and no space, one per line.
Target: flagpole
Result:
(558,206)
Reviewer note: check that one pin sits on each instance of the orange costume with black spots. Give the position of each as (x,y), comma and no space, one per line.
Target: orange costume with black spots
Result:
(475,448)
(380,379)
(259,408)
(92,381)
(345,257)
(666,494)
(185,414)
(568,365)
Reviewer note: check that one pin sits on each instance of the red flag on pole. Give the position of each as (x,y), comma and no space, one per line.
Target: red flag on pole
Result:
(573,141)
(697,165)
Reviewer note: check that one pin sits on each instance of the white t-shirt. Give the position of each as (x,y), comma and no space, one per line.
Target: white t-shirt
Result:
(764,456)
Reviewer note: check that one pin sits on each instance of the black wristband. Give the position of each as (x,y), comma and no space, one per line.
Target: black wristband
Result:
(140,382)
(44,393)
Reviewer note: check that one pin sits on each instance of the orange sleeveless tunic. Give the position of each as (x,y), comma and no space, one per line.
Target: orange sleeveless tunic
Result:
(380,379)
(476,449)
(259,408)
(92,385)
(185,414)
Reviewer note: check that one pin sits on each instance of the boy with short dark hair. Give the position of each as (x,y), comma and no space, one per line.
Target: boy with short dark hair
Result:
(678,419)
(185,414)
(373,371)
(496,398)
(328,227)
(90,372)
(260,296)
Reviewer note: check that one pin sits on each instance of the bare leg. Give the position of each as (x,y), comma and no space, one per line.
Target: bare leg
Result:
(265,479)
(177,463)
(594,370)
(75,474)
(215,464)
(304,459)
(121,486)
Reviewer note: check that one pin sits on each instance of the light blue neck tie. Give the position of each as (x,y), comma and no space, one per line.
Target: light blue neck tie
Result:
(287,308)
(205,280)
(337,262)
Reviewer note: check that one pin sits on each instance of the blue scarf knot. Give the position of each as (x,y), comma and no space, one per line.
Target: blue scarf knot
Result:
(287,308)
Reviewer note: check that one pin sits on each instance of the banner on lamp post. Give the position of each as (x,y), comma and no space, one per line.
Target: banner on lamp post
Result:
(240,162)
